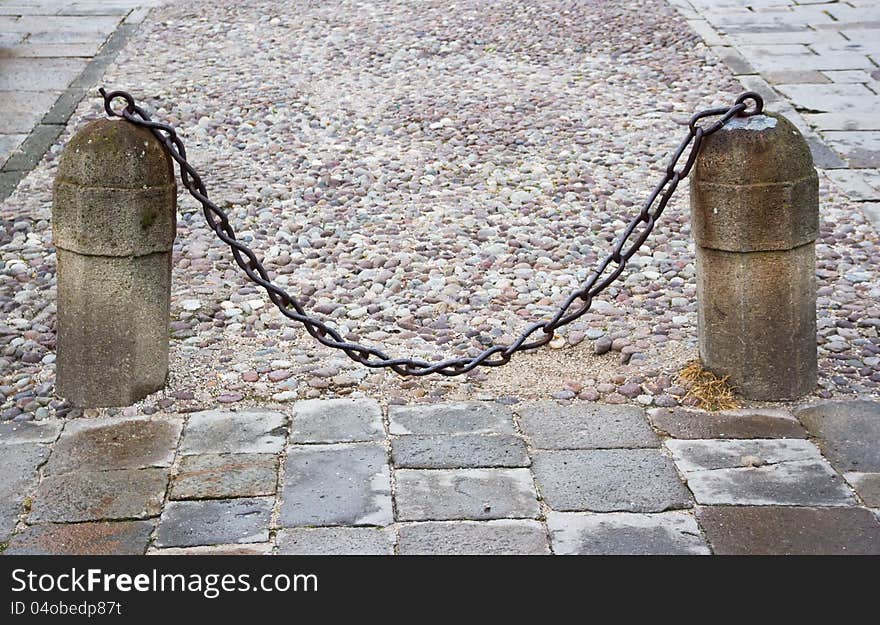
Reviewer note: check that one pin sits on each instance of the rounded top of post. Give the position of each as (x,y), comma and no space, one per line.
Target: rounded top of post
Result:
(111,153)
(762,148)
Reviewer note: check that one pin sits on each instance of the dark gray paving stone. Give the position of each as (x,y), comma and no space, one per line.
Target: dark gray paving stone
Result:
(15,432)
(475,494)
(336,485)
(759,472)
(549,425)
(625,533)
(19,464)
(97,539)
(459,451)
(99,496)
(499,537)
(215,522)
(336,541)
(112,443)
(848,433)
(451,418)
(247,549)
(680,423)
(216,476)
(31,151)
(772,530)
(227,432)
(867,486)
(336,421)
(607,480)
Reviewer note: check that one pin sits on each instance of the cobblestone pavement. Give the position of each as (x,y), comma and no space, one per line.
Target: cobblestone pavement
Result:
(430,182)
(51,52)
(351,476)
(816,62)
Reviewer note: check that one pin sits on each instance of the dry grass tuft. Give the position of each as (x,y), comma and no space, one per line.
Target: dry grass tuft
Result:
(710,391)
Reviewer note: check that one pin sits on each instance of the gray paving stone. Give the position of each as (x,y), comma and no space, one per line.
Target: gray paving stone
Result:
(8,145)
(216,476)
(499,537)
(15,432)
(214,522)
(845,121)
(625,533)
(336,421)
(583,425)
(690,424)
(459,451)
(860,148)
(336,485)
(832,98)
(795,77)
(771,530)
(867,486)
(31,151)
(25,74)
(823,156)
(759,472)
(20,111)
(474,494)
(336,541)
(609,480)
(99,496)
(857,184)
(98,539)
(113,443)
(20,464)
(847,432)
(451,418)
(222,432)
(247,549)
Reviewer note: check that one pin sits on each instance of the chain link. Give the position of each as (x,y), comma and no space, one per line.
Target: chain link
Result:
(535,335)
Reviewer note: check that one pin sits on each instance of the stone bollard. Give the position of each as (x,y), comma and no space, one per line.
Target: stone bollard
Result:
(113,224)
(755,213)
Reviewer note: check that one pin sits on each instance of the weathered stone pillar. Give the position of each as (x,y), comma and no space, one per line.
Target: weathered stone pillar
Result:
(755,210)
(113,224)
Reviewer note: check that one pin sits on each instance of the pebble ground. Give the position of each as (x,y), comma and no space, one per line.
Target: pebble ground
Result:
(427,179)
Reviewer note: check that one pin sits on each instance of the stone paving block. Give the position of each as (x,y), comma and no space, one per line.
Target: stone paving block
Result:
(772,530)
(860,148)
(215,522)
(848,433)
(336,485)
(113,443)
(336,541)
(336,421)
(867,486)
(17,74)
(459,451)
(216,476)
(608,480)
(98,539)
(857,184)
(793,77)
(549,425)
(759,472)
(21,111)
(802,62)
(760,423)
(499,537)
(625,533)
(252,549)
(99,496)
(8,145)
(20,464)
(832,98)
(15,432)
(475,494)
(226,432)
(451,418)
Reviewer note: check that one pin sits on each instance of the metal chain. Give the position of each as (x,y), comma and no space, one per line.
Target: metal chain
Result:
(629,242)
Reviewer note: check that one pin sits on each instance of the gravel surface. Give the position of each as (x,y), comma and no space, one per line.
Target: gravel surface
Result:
(430,177)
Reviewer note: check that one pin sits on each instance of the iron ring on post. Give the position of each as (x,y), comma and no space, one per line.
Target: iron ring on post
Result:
(754,96)
(109,97)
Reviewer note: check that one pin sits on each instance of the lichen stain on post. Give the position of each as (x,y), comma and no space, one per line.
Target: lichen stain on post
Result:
(113,224)
(755,213)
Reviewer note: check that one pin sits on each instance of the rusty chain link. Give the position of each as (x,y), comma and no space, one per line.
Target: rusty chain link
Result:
(496,355)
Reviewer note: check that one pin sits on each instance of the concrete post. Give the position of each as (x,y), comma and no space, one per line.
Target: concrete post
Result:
(113,224)
(755,213)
